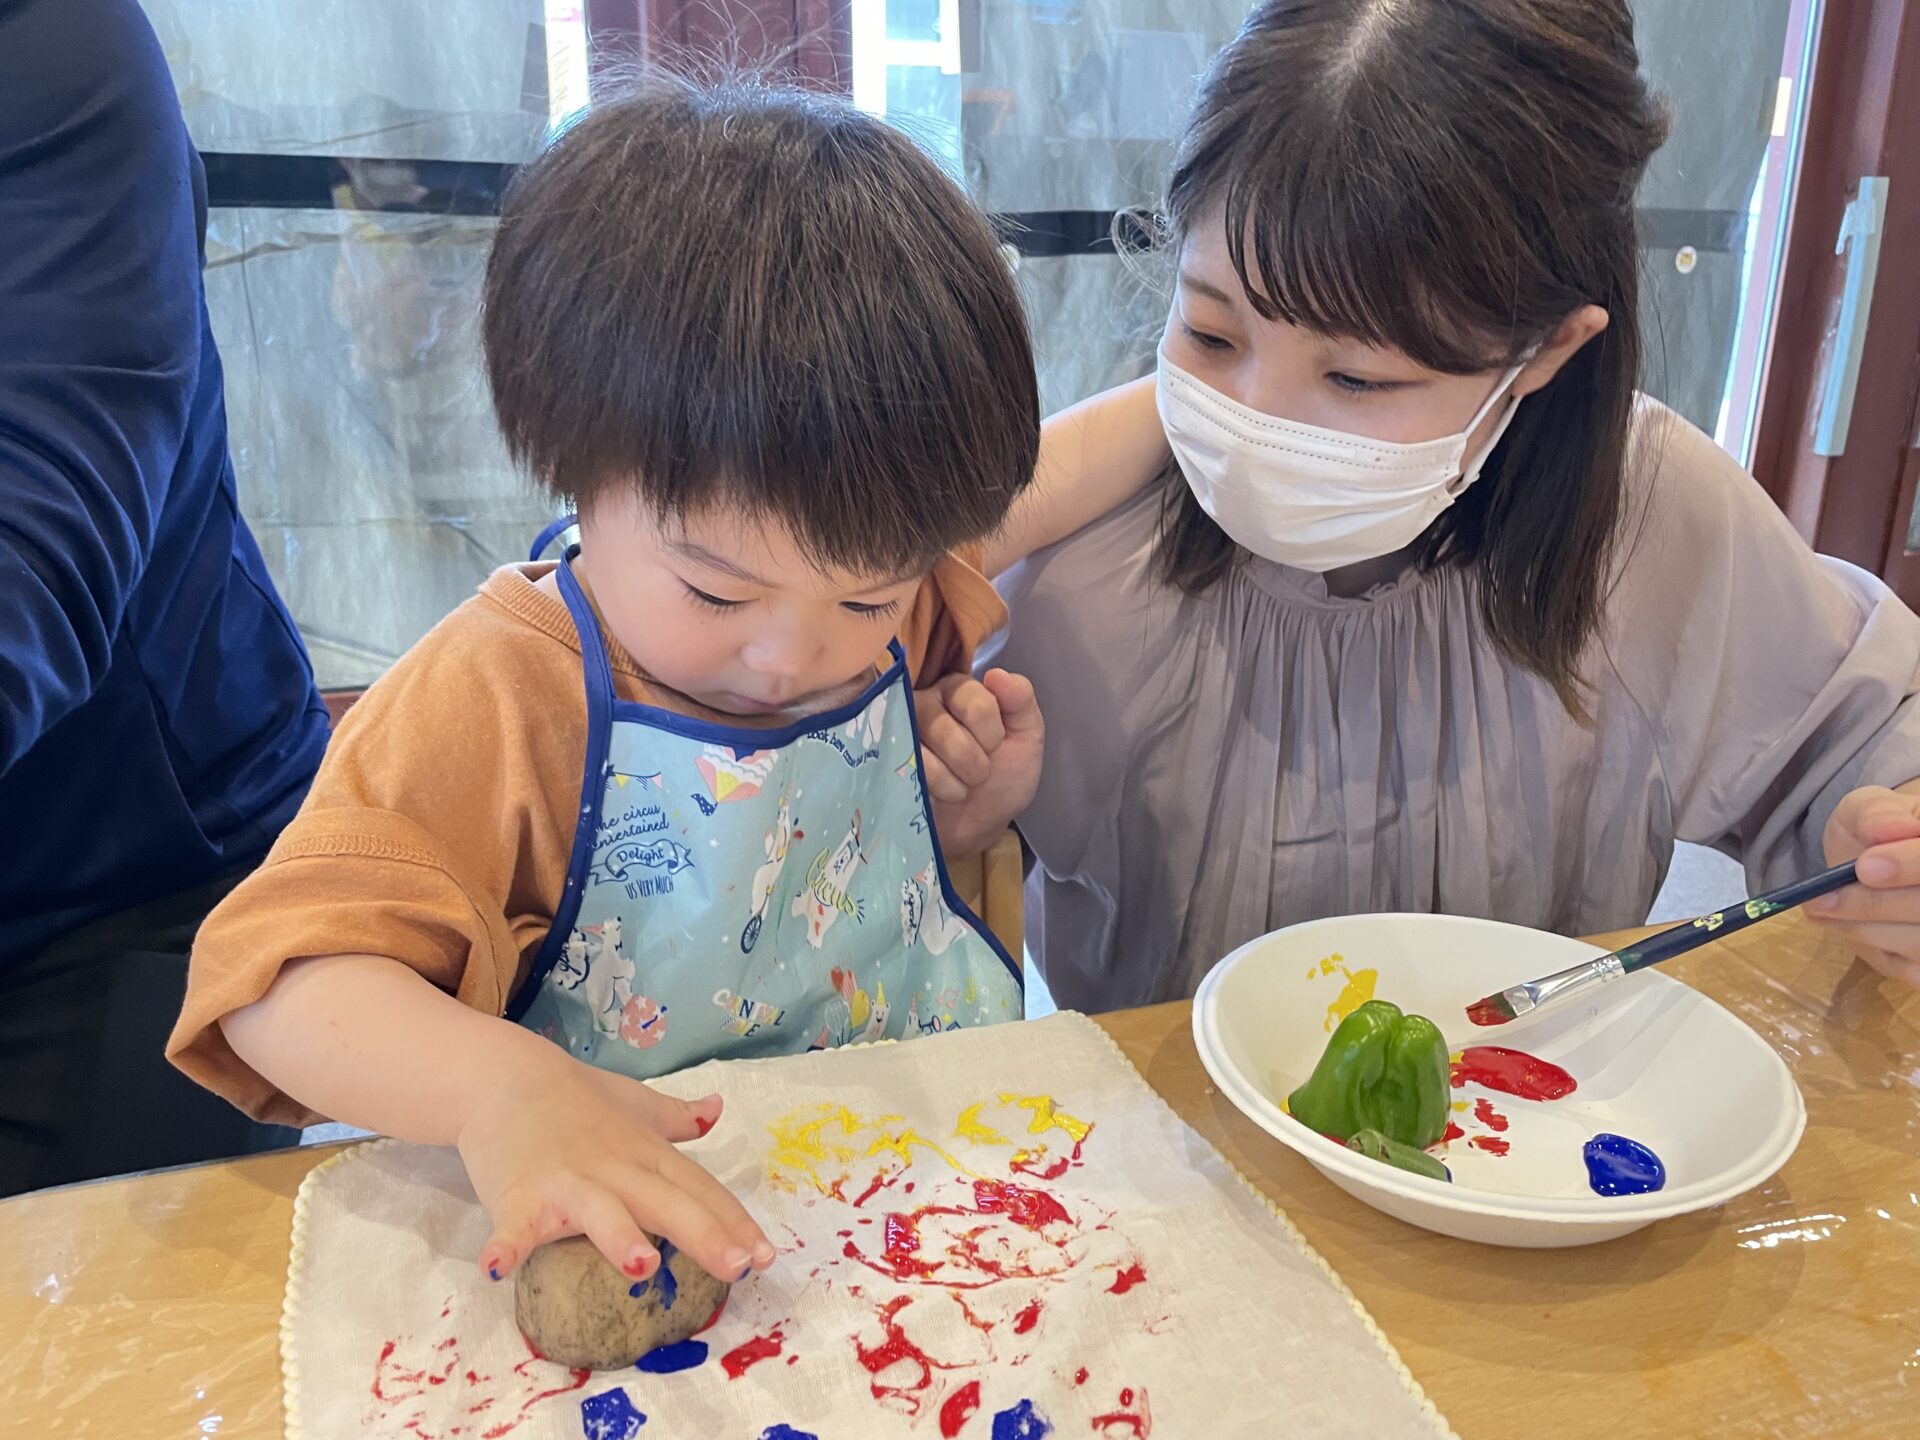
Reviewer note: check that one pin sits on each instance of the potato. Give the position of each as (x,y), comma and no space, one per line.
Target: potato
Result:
(579,1310)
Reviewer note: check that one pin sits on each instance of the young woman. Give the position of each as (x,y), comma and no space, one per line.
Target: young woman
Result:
(1436,612)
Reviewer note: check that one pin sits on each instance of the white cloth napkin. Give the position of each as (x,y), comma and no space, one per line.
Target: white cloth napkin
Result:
(962,1257)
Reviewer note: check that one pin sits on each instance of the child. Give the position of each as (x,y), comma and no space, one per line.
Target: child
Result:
(1436,613)
(776,362)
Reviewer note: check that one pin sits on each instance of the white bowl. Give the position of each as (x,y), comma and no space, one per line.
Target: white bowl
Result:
(1654,1060)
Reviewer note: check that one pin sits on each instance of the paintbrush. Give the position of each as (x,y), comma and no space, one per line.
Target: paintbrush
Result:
(1518,1000)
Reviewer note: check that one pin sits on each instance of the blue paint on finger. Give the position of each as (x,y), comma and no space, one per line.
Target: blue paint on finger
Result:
(610,1416)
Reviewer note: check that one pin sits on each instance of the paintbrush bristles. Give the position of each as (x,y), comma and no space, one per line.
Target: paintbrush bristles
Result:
(1492,1009)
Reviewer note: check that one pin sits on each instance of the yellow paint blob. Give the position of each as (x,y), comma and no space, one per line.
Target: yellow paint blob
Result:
(1046,1117)
(803,1141)
(902,1144)
(1357,991)
(971,1128)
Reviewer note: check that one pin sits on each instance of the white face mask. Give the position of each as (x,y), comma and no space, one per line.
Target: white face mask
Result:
(1311,498)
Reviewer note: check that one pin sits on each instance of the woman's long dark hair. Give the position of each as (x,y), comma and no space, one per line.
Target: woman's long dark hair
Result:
(1451,179)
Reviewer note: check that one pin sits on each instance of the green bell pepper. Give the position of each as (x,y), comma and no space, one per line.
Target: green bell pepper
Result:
(1375,1146)
(1383,1071)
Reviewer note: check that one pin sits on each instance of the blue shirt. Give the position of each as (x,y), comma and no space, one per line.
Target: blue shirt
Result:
(158,717)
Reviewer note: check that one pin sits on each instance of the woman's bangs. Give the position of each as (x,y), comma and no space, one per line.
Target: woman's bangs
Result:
(1346,249)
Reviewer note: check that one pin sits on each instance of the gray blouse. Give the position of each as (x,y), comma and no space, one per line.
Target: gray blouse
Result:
(1222,765)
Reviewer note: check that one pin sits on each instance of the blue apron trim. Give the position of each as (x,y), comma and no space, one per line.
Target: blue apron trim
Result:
(598,677)
(714,733)
(954,902)
(552,533)
(603,708)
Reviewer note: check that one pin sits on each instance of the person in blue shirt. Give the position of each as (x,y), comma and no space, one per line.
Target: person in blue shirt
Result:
(158,716)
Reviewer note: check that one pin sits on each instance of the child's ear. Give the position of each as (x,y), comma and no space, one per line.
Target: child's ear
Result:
(1575,331)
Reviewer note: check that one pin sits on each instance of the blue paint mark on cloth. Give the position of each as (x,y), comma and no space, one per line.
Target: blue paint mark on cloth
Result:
(672,1359)
(610,1416)
(1022,1422)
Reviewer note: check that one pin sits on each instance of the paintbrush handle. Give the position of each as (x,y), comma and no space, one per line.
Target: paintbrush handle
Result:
(1721,923)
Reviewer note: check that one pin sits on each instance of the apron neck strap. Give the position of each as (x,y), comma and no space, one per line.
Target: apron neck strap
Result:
(550,534)
(593,649)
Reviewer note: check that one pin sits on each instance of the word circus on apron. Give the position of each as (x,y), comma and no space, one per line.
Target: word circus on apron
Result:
(735,891)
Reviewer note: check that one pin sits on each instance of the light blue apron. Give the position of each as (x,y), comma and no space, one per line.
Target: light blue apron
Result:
(735,891)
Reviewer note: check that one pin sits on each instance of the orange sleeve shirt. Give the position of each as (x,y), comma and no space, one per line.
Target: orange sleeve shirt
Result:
(439,828)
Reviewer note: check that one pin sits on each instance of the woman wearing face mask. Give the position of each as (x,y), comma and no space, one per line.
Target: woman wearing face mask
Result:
(1435,612)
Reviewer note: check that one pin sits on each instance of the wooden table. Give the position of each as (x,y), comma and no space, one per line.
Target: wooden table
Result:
(149,1306)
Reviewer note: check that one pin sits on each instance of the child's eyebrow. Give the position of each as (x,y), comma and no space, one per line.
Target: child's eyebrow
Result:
(700,555)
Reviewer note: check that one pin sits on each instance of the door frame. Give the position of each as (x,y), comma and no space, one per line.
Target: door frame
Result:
(1863,103)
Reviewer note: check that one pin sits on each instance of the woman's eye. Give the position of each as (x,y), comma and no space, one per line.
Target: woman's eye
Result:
(1353,384)
(1203,339)
(712,602)
(871,612)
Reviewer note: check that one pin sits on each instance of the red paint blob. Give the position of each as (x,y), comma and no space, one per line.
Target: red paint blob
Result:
(1512,1072)
(714,1319)
(1024,1206)
(1491,1011)
(960,1408)
(874,1187)
(1484,1112)
(1136,1421)
(896,1349)
(702,1124)
(1080,1377)
(1492,1144)
(1452,1132)
(742,1358)
(1134,1274)
(1027,1319)
(1059,1167)
(900,1258)
(985,1327)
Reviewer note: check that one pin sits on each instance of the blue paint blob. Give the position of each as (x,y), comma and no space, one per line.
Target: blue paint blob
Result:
(610,1417)
(787,1432)
(672,1359)
(637,1289)
(1022,1422)
(1619,1166)
(669,1287)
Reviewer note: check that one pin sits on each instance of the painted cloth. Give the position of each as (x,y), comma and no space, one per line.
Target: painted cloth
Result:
(1005,1236)
(1222,765)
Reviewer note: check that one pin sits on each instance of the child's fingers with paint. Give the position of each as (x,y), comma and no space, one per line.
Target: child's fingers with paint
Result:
(587,1152)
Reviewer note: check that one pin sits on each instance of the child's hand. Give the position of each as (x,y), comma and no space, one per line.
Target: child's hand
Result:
(981,743)
(1881,915)
(559,1148)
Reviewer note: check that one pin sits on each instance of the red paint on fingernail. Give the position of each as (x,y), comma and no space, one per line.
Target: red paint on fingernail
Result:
(702,1124)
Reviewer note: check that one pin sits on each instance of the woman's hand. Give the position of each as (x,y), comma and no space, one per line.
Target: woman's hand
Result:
(1880,916)
(981,744)
(557,1148)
